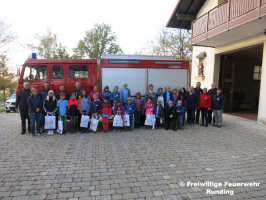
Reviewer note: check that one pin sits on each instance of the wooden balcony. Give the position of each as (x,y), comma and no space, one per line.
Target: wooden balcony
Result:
(236,16)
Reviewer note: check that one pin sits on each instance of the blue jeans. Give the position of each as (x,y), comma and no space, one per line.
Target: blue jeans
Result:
(35,117)
(190,116)
(180,121)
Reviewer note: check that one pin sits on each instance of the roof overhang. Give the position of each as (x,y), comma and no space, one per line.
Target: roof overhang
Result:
(184,13)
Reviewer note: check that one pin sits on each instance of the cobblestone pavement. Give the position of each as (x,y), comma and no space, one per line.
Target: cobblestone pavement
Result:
(143,164)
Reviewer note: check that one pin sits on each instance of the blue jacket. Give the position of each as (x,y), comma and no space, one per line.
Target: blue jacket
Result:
(218,102)
(130,109)
(34,103)
(95,106)
(165,96)
(122,97)
(192,101)
(115,96)
(182,111)
(108,95)
(198,92)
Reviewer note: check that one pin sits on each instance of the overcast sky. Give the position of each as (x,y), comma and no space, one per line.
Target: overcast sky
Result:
(135,22)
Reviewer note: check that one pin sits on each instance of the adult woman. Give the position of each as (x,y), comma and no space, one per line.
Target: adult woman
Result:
(204,104)
(191,106)
(35,104)
(183,97)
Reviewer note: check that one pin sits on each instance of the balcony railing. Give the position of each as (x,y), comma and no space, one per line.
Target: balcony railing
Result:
(226,16)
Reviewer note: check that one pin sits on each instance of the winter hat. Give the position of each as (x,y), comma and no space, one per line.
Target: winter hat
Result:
(106,87)
(159,100)
(138,93)
(129,98)
(160,88)
(179,102)
(95,95)
(51,91)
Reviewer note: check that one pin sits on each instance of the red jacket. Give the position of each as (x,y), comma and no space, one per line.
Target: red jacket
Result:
(106,109)
(121,109)
(73,102)
(204,101)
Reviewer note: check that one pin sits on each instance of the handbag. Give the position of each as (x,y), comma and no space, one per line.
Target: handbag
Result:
(94,124)
(84,122)
(149,120)
(60,126)
(50,122)
(118,122)
(126,120)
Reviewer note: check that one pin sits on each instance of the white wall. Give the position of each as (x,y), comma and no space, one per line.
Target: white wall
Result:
(208,66)
(262,101)
(208,5)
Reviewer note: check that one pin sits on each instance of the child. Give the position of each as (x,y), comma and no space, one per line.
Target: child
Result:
(167,96)
(107,94)
(124,94)
(218,107)
(149,107)
(115,97)
(159,95)
(50,106)
(95,108)
(73,108)
(139,109)
(106,112)
(180,114)
(158,114)
(35,102)
(84,106)
(62,107)
(130,109)
(175,96)
(118,110)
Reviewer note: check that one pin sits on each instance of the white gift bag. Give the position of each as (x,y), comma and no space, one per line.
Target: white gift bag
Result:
(84,122)
(50,122)
(149,120)
(162,101)
(94,124)
(154,122)
(118,122)
(60,126)
(126,120)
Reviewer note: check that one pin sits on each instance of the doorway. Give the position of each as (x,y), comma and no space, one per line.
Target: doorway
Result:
(239,79)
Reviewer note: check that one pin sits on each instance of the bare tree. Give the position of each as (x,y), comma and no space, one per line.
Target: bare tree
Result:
(6,36)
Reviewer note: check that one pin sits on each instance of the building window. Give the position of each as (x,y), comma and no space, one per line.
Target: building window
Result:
(257,73)
(34,73)
(78,71)
(58,72)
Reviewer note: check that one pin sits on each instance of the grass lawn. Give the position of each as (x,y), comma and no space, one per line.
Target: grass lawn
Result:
(2,110)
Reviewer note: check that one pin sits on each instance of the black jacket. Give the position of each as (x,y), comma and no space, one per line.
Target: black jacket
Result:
(169,111)
(212,92)
(50,104)
(73,111)
(34,103)
(218,102)
(160,111)
(183,98)
(43,94)
(198,92)
(95,106)
(192,101)
(164,96)
(21,99)
(57,96)
(77,92)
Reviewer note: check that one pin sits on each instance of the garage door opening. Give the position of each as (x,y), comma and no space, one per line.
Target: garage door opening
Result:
(240,74)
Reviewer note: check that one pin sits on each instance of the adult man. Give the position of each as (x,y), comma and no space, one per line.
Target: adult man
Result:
(21,102)
(62,89)
(198,91)
(77,90)
(96,90)
(212,92)
(167,96)
(170,116)
(152,94)
(43,94)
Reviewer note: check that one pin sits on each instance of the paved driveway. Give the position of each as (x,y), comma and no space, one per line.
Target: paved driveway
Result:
(151,164)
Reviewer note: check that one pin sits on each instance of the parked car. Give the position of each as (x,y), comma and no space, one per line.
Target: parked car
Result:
(10,103)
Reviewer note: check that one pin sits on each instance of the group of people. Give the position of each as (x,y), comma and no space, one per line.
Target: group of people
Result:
(170,105)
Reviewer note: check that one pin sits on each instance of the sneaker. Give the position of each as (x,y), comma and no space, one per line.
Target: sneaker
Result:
(218,126)
(187,124)
(118,131)
(174,129)
(22,133)
(40,134)
(192,124)
(52,132)
(114,130)
(49,132)
(202,125)
(33,135)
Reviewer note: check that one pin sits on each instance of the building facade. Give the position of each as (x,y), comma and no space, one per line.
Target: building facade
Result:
(229,49)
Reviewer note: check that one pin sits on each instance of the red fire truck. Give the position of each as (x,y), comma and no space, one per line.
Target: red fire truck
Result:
(135,70)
